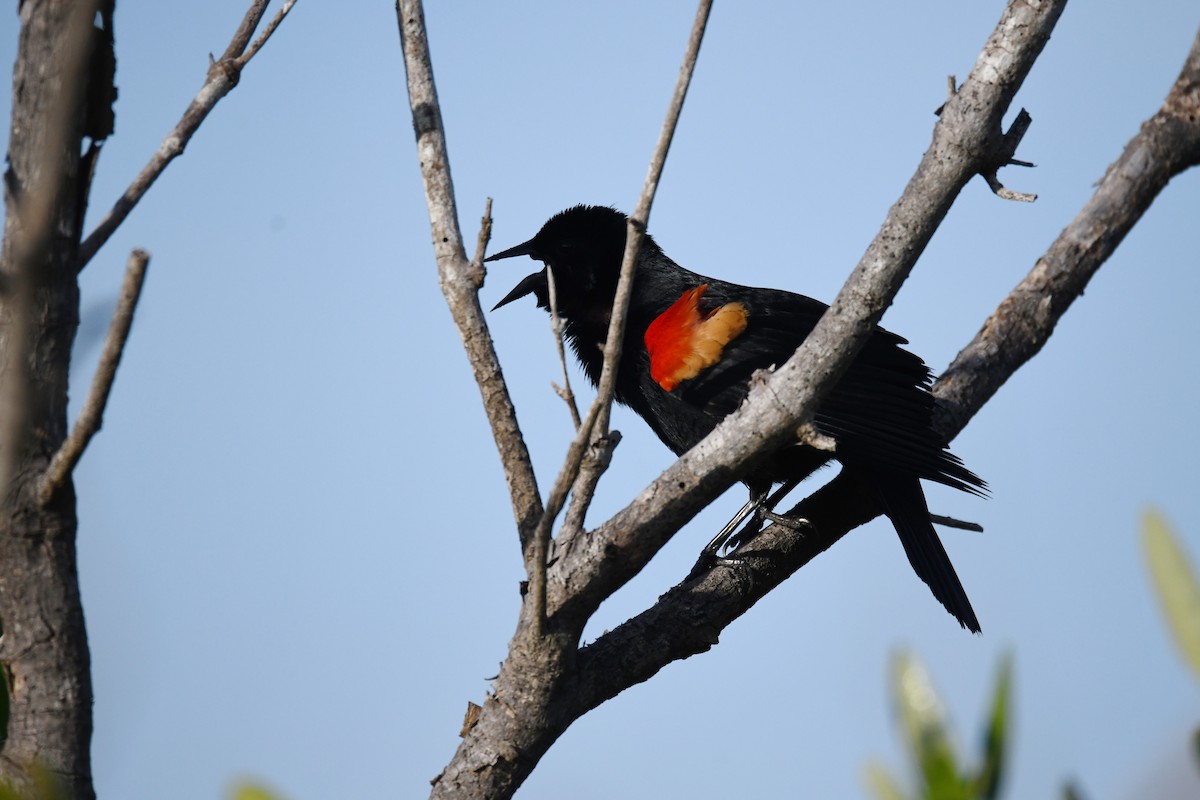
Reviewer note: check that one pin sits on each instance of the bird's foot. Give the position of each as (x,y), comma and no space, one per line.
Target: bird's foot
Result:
(710,560)
(794,524)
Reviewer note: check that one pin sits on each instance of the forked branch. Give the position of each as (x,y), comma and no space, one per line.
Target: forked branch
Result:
(223,75)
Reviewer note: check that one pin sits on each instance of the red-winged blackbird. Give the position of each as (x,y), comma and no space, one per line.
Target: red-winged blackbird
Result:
(691,346)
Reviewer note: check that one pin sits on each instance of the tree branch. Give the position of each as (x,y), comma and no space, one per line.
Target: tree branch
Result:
(92,415)
(223,75)
(1167,144)
(460,280)
(584,490)
(598,415)
(556,326)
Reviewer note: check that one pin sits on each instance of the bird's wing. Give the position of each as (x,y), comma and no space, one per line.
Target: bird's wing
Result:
(880,411)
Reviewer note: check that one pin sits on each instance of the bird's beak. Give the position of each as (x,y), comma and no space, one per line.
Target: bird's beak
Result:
(524,249)
(535,284)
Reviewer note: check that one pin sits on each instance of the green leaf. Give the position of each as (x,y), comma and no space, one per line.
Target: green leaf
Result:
(995,736)
(882,784)
(926,730)
(48,785)
(1176,583)
(251,791)
(43,784)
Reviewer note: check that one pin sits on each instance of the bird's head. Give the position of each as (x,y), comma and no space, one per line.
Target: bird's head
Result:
(582,247)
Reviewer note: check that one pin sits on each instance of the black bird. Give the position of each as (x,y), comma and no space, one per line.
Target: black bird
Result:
(691,345)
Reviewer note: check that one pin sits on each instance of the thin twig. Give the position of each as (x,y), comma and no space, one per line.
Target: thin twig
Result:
(245,30)
(91,417)
(595,462)
(958,524)
(485,235)
(641,218)
(222,76)
(1003,157)
(633,242)
(556,327)
(266,34)
(554,503)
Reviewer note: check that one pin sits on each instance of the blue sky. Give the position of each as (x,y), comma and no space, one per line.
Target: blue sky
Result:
(296,549)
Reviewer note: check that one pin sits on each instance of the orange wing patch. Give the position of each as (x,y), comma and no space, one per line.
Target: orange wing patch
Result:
(682,344)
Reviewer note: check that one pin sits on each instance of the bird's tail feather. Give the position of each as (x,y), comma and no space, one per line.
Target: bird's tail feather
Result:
(904,504)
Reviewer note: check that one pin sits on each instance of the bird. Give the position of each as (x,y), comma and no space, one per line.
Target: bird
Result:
(692,345)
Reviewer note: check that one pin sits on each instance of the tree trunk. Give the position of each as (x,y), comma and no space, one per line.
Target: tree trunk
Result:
(44,650)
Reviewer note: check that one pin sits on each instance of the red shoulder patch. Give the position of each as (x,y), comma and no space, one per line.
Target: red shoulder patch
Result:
(681,344)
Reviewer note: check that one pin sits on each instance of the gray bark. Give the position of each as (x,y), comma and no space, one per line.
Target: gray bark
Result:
(62,92)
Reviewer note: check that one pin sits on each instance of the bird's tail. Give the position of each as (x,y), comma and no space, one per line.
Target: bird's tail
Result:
(904,504)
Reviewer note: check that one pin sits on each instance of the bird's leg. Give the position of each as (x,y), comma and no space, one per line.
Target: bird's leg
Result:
(764,512)
(757,508)
(756,501)
(709,556)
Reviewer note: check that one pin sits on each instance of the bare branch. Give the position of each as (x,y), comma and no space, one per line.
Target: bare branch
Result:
(223,75)
(1167,144)
(485,235)
(1004,157)
(598,415)
(633,242)
(91,417)
(536,562)
(641,218)
(595,462)
(958,524)
(460,280)
(241,37)
(266,34)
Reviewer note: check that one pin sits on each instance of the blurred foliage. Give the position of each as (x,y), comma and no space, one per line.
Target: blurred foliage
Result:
(941,770)
(253,791)
(1178,591)
(1072,792)
(43,784)
(1175,582)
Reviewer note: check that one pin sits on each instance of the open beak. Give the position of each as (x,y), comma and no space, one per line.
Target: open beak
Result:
(531,284)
